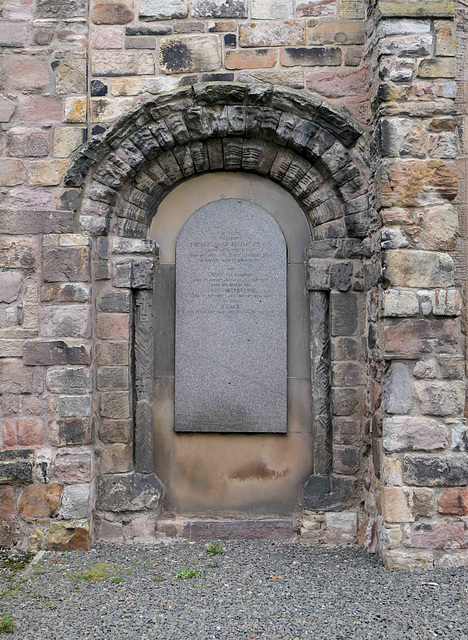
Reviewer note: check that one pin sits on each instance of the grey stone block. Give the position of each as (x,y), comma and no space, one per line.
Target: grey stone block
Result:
(70,432)
(114,301)
(54,352)
(398,389)
(132,492)
(71,406)
(344,314)
(16,466)
(10,284)
(70,380)
(436,471)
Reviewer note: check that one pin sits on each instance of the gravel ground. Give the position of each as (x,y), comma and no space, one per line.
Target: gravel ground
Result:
(254,589)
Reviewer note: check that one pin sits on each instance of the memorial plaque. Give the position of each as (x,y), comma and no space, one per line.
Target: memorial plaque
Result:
(231,333)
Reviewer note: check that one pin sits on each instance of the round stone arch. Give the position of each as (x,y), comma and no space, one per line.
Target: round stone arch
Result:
(304,145)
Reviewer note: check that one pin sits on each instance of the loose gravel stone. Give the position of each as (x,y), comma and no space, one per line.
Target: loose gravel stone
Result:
(255,589)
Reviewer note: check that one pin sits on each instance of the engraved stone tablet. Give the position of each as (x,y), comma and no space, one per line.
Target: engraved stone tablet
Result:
(230,346)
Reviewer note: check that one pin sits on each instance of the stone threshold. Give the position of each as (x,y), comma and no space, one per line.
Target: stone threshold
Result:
(227,529)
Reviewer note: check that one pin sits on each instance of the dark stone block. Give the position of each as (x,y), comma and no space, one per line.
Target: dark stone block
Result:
(98,88)
(344,314)
(20,221)
(69,199)
(217,77)
(344,401)
(62,265)
(239,530)
(344,348)
(16,466)
(312,56)
(230,40)
(148,31)
(114,301)
(61,8)
(436,471)
(71,431)
(97,130)
(326,275)
(329,493)
(54,352)
(132,492)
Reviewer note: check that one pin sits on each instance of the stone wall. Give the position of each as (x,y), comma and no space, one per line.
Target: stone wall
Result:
(69,291)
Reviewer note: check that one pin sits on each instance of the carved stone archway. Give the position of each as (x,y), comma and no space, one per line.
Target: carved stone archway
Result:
(307,147)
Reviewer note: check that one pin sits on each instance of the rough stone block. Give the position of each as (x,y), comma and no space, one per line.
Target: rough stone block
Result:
(460,437)
(12,172)
(15,378)
(346,431)
(29,73)
(440,535)
(411,338)
(440,228)
(311,56)
(66,264)
(135,245)
(454,502)
(47,173)
(114,301)
(344,401)
(344,314)
(73,431)
(219,9)
(75,501)
(115,405)
(39,501)
(418,269)
(122,63)
(325,275)
(69,535)
(441,398)
(113,378)
(112,431)
(163,9)
(55,352)
(65,321)
(67,140)
(70,76)
(187,54)
(113,326)
(116,458)
(13,34)
(436,471)
(61,8)
(132,492)
(28,143)
(408,560)
(347,374)
(397,504)
(10,284)
(16,466)
(73,467)
(71,406)
(114,353)
(345,459)
(271,34)
(75,380)
(74,292)
(250,59)
(437,68)
(398,303)
(112,12)
(409,433)
(398,389)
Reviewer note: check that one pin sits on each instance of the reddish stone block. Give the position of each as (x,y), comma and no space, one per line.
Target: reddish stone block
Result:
(9,433)
(454,502)
(345,460)
(7,502)
(39,501)
(251,59)
(411,336)
(113,326)
(30,431)
(28,143)
(440,535)
(112,13)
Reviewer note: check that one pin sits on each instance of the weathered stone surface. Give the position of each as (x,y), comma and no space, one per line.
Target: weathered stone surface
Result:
(418,269)
(440,228)
(113,326)
(114,353)
(71,406)
(272,9)
(344,314)
(12,172)
(460,437)
(397,389)
(397,504)
(398,303)
(267,34)
(10,283)
(69,535)
(116,458)
(16,466)
(219,9)
(115,405)
(454,502)
(70,432)
(408,433)
(250,59)
(441,398)
(114,301)
(73,467)
(113,378)
(417,182)
(163,9)
(325,275)
(418,336)
(55,352)
(13,34)
(15,378)
(436,471)
(440,535)
(75,501)
(111,431)
(38,501)
(26,72)
(122,63)
(65,321)
(187,54)
(70,380)
(345,459)
(328,493)
(131,492)
(112,13)
(437,68)
(399,559)
(66,264)
(30,143)
(311,56)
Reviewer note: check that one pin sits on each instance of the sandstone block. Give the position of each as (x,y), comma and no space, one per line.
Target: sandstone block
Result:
(65,321)
(412,338)
(406,45)
(423,502)
(69,535)
(67,140)
(70,76)
(407,560)
(250,59)
(344,313)
(141,42)
(163,9)
(76,380)
(437,68)
(63,433)
(25,73)
(13,34)
(402,137)
(132,492)
(74,292)
(73,467)
(186,54)
(135,245)
(10,284)
(112,13)
(39,501)
(397,389)
(344,401)
(75,501)
(392,472)
(326,275)
(347,32)
(75,110)
(55,352)
(107,38)
(320,8)
(269,34)
(71,406)
(15,378)
(452,366)
(7,109)
(113,326)
(112,431)
(346,431)
(113,378)
(16,466)
(454,502)
(440,535)
(122,63)
(446,43)
(311,56)
(347,374)
(108,110)
(11,348)
(399,303)
(412,268)
(12,172)
(136,86)
(345,459)
(114,301)
(66,264)
(115,405)
(344,348)
(219,9)
(117,458)
(397,504)
(28,143)
(272,9)
(417,182)
(46,173)
(409,433)
(440,226)
(440,398)
(418,9)
(435,471)
(453,559)
(114,353)
(460,437)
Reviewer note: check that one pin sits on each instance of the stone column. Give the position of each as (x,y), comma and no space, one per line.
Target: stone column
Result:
(420,463)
